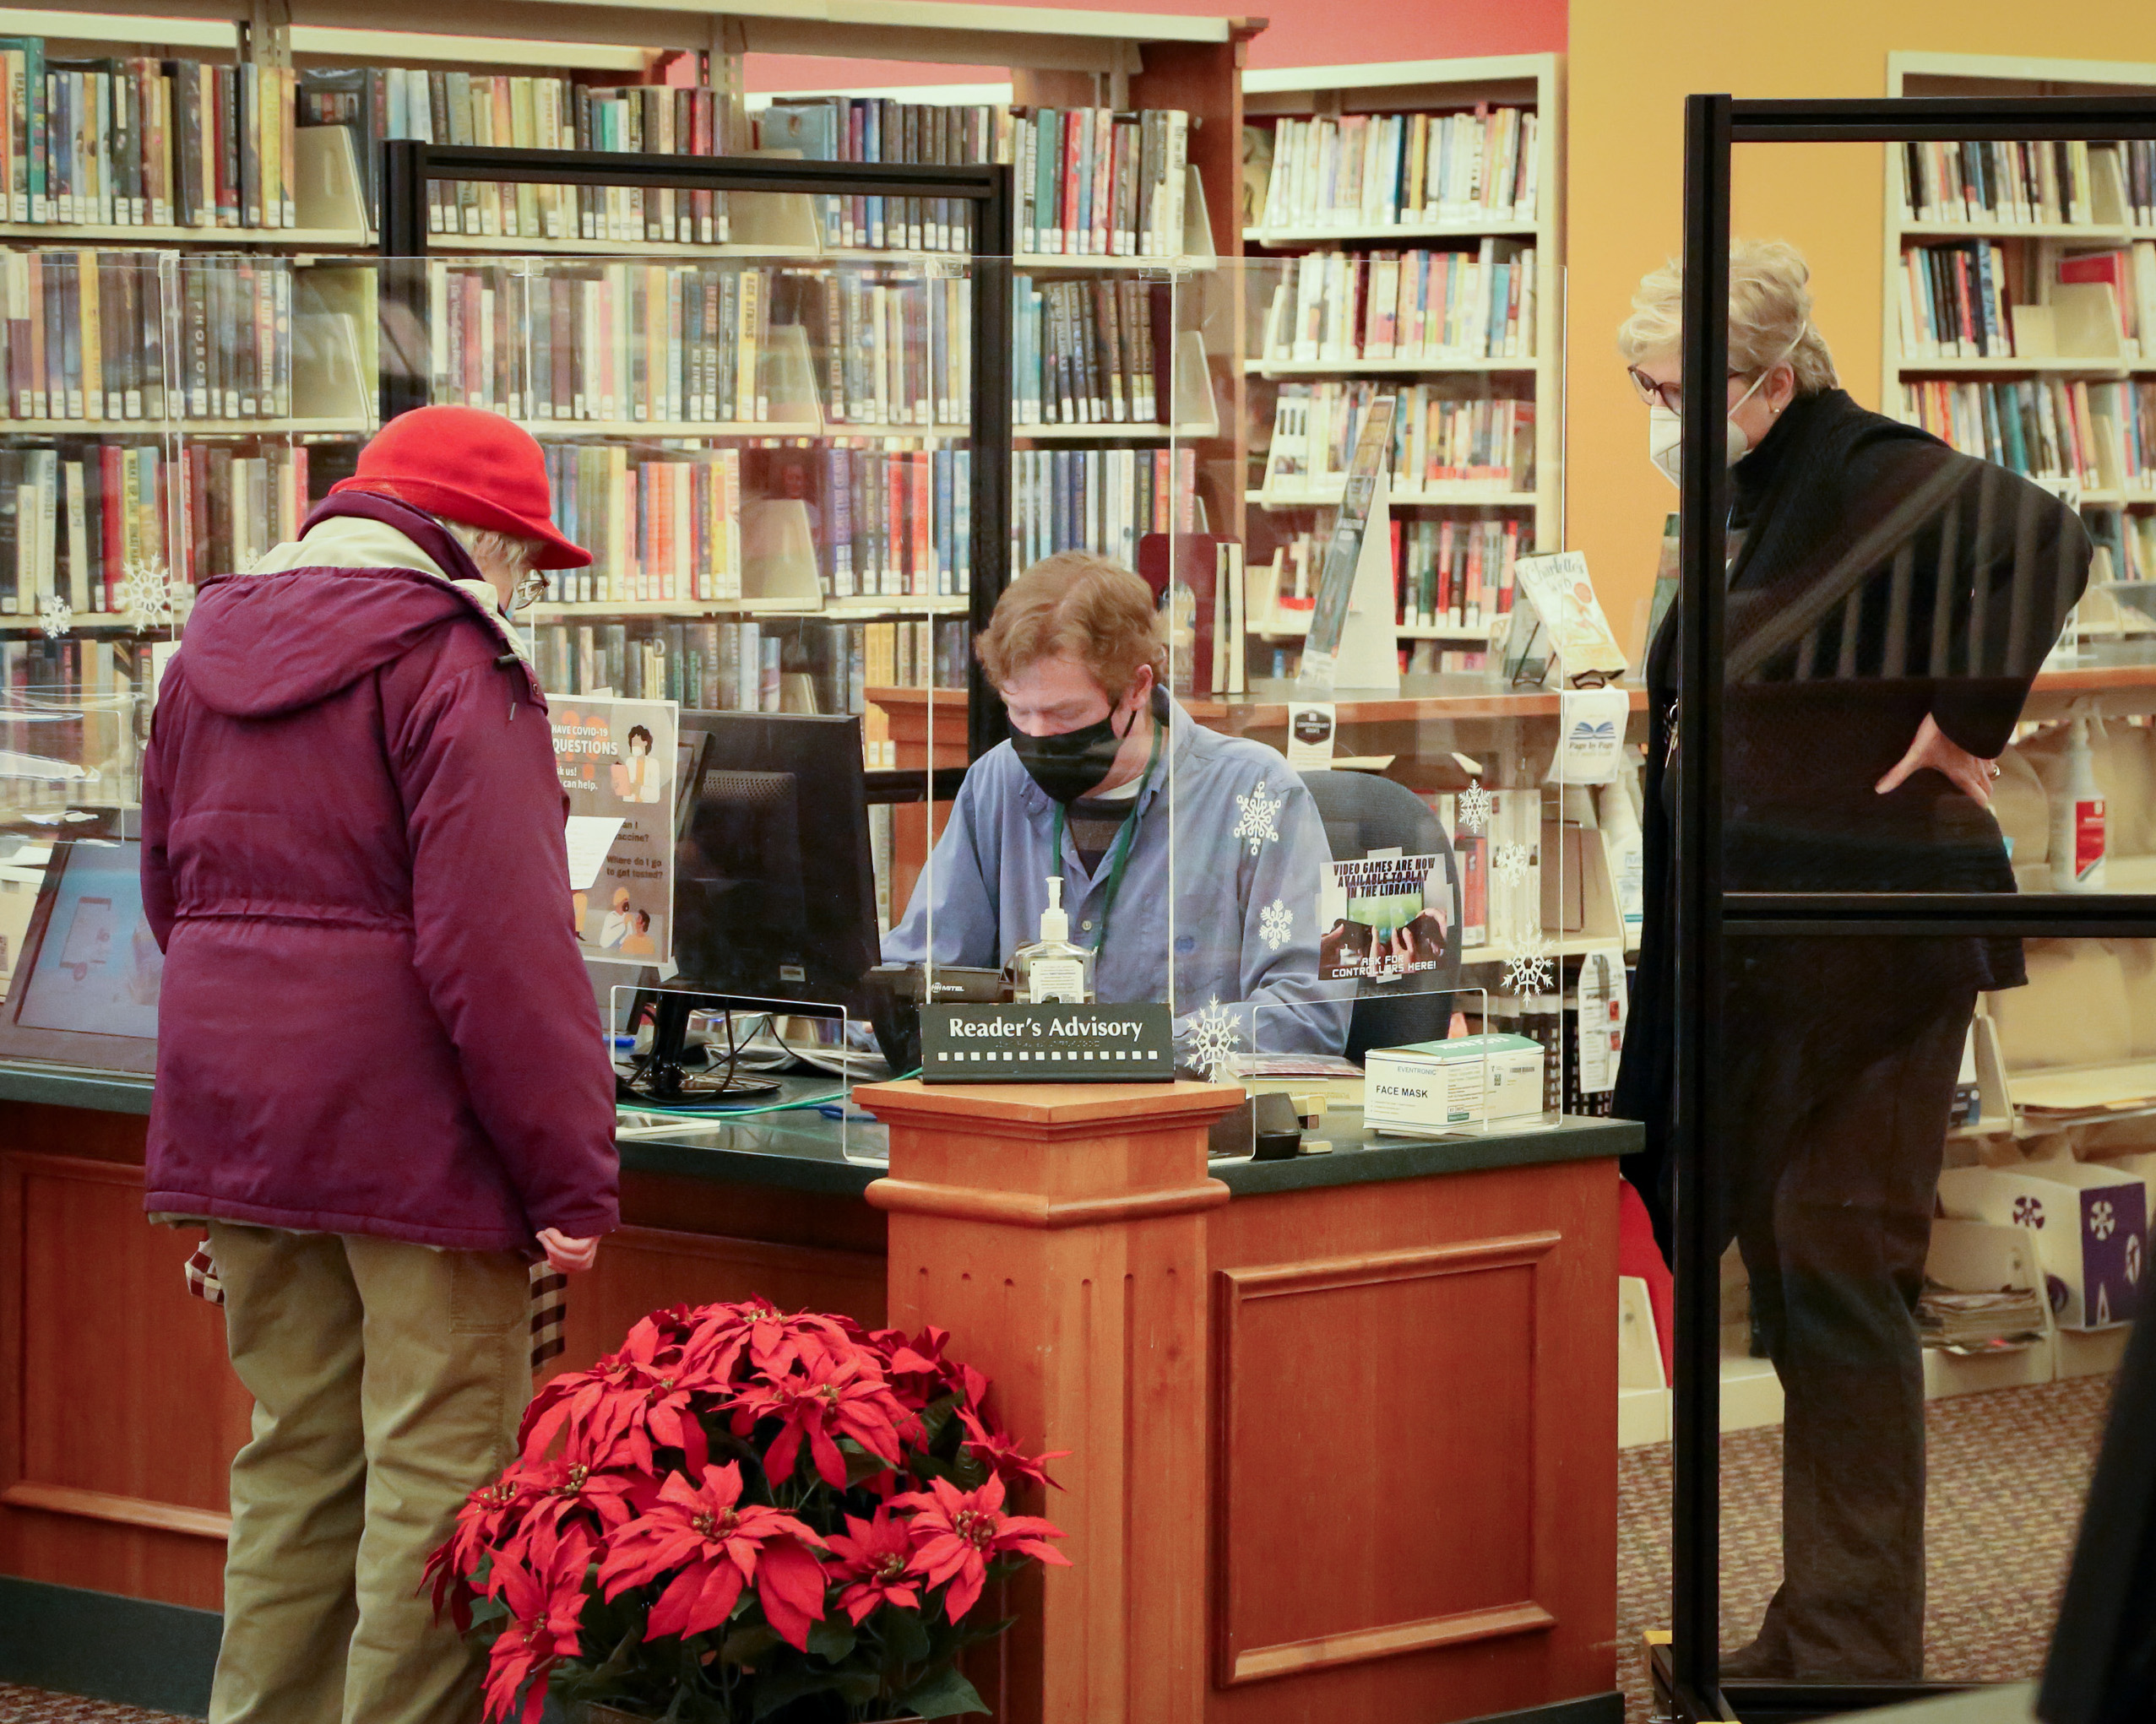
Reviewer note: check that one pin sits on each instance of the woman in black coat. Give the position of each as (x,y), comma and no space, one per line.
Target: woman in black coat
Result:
(1889,603)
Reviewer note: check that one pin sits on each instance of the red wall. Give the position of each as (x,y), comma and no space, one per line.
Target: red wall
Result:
(1302,33)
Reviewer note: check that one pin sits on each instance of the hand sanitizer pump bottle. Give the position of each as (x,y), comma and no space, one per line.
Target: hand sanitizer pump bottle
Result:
(2077,833)
(1052,970)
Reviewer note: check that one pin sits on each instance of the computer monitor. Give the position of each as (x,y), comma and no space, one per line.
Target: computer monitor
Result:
(83,991)
(774,895)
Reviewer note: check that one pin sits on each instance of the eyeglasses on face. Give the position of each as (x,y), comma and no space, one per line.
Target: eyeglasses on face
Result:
(1666,395)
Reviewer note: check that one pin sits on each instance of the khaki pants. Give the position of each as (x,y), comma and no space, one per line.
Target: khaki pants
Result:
(389,1381)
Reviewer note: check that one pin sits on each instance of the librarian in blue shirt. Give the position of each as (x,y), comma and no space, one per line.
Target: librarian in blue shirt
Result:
(1169,837)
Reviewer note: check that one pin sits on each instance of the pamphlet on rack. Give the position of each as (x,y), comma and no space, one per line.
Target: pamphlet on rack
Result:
(1352,642)
(1562,594)
(1385,919)
(615,759)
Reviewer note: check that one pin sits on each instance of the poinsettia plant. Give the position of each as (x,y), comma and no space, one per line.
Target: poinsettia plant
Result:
(743,1516)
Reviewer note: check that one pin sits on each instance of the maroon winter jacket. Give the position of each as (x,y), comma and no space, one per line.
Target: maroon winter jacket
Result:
(374,1018)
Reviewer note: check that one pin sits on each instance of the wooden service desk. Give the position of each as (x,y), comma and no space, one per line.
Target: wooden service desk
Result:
(1343,1428)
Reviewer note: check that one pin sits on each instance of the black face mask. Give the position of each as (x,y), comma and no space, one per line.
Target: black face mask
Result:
(1069,763)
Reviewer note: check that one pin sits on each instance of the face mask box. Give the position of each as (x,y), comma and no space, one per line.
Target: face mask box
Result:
(1439,1085)
(2090,1224)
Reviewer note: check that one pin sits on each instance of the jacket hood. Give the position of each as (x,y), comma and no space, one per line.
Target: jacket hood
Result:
(260,645)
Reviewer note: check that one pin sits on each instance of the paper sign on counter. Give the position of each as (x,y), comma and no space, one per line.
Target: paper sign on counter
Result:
(590,836)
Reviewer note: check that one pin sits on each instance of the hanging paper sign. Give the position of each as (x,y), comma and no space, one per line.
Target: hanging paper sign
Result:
(1602,1009)
(1384,919)
(1591,737)
(616,760)
(1311,727)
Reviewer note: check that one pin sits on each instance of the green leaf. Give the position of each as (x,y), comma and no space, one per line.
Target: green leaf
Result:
(860,1465)
(904,1634)
(747,1644)
(781,1688)
(943,1695)
(832,1640)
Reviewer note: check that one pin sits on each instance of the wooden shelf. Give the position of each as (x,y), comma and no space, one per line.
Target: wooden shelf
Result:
(1111,431)
(2070,365)
(338,426)
(2023,231)
(834,609)
(69,236)
(1497,227)
(1414,366)
(1397,499)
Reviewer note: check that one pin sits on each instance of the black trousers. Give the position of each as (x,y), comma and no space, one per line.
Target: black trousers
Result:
(1840,1085)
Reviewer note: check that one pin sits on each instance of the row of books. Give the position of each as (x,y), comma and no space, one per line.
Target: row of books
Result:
(2134,405)
(116,335)
(77,520)
(2043,427)
(1440,440)
(794,664)
(2136,560)
(878,129)
(1097,183)
(2009,181)
(898,346)
(1085,352)
(661,525)
(1456,574)
(1421,305)
(1099,500)
(888,522)
(640,342)
(140,142)
(1364,170)
(1958,301)
(374,103)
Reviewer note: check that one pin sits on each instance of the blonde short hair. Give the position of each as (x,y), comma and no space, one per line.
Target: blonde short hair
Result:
(1770,307)
(515,556)
(1082,605)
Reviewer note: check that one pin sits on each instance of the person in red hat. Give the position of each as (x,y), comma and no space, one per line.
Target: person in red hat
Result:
(381,1078)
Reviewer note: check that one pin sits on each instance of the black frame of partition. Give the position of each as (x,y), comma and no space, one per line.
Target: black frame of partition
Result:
(1707,911)
(408,166)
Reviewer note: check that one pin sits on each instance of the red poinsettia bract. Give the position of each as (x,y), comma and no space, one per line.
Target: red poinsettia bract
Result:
(719,1547)
(833,1393)
(958,1531)
(1003,1457)
(543,1592)
(874,1565)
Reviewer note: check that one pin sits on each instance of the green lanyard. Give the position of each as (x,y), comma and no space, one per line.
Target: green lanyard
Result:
(1120,858)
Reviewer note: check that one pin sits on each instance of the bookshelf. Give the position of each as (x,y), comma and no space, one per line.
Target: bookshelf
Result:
(1296,114)
(2054,376)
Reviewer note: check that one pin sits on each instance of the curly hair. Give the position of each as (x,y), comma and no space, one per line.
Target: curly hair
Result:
(1770,308)
(1081,605)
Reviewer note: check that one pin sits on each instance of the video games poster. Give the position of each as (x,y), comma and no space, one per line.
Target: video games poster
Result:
(1386,922)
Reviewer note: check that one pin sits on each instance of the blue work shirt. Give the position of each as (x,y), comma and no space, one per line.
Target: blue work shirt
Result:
(1234,892)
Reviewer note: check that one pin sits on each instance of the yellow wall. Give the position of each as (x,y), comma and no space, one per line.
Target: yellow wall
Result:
(1630,65)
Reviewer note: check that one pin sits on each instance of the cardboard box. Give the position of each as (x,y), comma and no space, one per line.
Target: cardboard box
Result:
(2090,1223)
(1438,1085)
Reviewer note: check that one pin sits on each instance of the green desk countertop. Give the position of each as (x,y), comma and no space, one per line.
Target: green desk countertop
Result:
(808,1150)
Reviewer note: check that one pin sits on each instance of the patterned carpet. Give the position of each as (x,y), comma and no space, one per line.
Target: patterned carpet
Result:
(29,1705)
(2008,1473)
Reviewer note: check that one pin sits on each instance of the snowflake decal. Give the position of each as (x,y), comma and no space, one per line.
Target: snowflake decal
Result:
(1531,969)
(146,594)
(1257,821)
(1274,923)
(55,616)
(2103,1219)
(2028,1212)
(1215,1034)
(1475,807)
(1510,862)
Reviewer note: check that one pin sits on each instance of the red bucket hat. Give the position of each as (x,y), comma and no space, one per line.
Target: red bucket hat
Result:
(471,466)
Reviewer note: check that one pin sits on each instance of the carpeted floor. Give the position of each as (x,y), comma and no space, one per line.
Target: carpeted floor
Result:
(29,1705)
(2008,1473)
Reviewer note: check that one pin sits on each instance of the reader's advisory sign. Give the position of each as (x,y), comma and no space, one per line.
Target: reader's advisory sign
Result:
(615,759)
(1047,1044)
